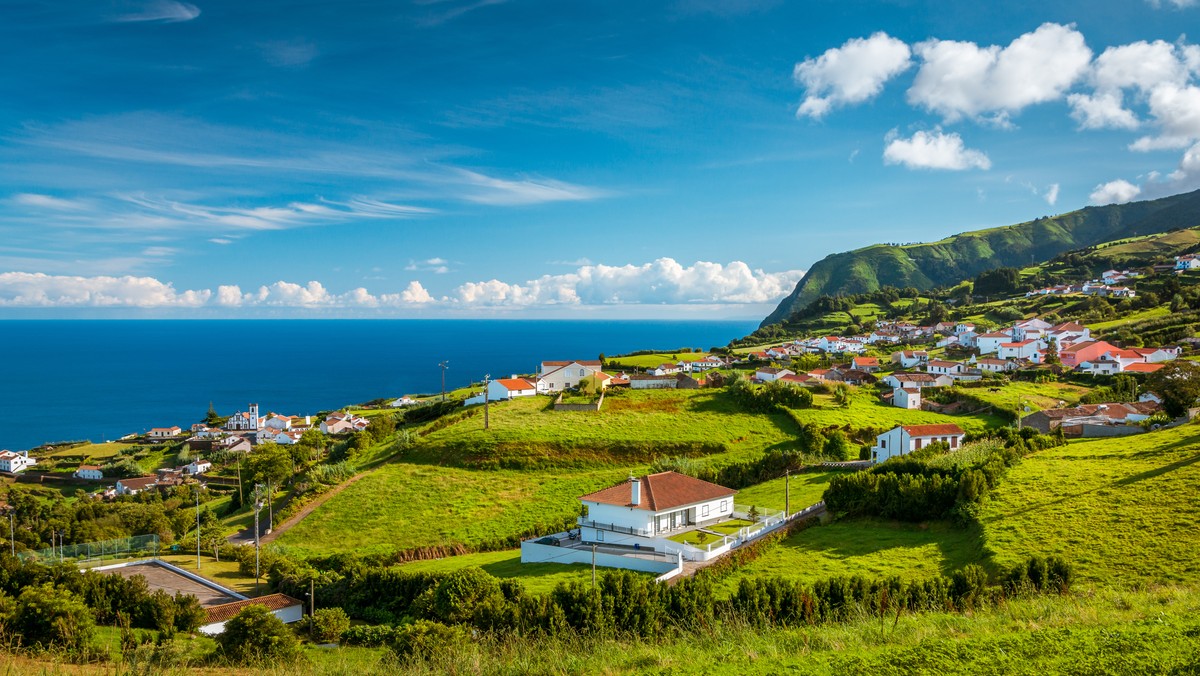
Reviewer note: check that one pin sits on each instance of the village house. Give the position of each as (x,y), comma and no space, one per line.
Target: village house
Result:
(647,381)
(89,473)
(991,365)
(1029,329)
(798,379)
(819,375)
(1073,421)
(1187,262)
(868,364)
(284,607)
(781,352)
(197,466)
(164,432)
(768,374)
(639,510)
(1143,368)
(503,389)
(666,370)
(135,485)
(988,343)
(910,358)
(907,397)
(14,462)
(917,380)
(1021,349)
(404,401)
(944,368)
(905,439)
(343,423)
(556,376)
(1089,350)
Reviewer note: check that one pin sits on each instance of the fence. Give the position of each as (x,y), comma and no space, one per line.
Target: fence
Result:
(100,550)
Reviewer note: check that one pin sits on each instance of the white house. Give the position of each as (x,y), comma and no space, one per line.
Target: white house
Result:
(1188,262)
(1021,349)
(995,365)
(906,397)
(13,462)
(917,380)
(667,370)
(768,374)
(830,344)
(556,376)
(511,388)
(868,364)
(639,510)
(284,607)
(343,423)
(944,368)
(990,342)
(1029,328)
(135,485)
(404,401)
(910,358)
(646,381)
(197,466)
(779,352)
(905,439)
(164,432)
(89,473)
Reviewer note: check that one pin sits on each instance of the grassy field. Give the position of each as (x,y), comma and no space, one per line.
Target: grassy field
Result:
(529,432)
(649,361)
(806,489)
(400,506)
(537,578)
(224,573)
(105,451)
(1037,396)
(1125,511)
(867,547)
(866,410)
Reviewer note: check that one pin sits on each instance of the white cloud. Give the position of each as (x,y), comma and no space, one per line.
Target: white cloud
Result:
(46,202)
(1176,110)
(1178,4)
(162,11)
(1119,191)
(1143,67)
(662,282)
(22,289)
(483,189)
(850,74)
(933,150)
(1104,110)
(221,240)
(961,79)
(1051,194)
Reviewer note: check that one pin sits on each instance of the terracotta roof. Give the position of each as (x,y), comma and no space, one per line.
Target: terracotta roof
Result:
(139,483)
(770,371)
(89,467)
(943,364)
(272,602)
(1022,343)
(1085,345)
(945,429)
(997,334)
(911,390)
(867,361)
(581,362)
(914,377)
(1142,367)
(662,491)
(516,384)
(792,378)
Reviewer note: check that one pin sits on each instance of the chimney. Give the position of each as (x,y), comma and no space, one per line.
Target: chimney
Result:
(635,491)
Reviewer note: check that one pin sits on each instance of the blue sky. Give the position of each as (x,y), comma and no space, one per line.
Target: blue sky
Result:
(552,159)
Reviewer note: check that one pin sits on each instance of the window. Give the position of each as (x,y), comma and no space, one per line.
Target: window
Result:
(599,536)
(883,443)
(582,372)
(724,505)
(704,511)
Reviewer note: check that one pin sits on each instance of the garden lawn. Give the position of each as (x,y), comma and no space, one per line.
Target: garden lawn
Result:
(105,451)
(537,578)
(867,411)
(806,489)
(649,361)
(402,506)
(873,548)
(1124,511)
(632,428)
(224,573)
(1036,396)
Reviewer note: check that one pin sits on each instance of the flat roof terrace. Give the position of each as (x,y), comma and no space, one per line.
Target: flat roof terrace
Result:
(164,576)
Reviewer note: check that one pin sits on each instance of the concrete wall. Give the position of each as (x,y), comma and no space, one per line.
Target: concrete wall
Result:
(559,406)
(1096,431)
(532,552)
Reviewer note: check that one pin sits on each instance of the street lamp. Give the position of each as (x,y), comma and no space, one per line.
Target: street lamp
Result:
(444,365)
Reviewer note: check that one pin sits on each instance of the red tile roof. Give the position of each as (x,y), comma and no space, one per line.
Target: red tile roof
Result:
(581,362)
(662,491)
(516,384)
(272,602)
(943,430)
(1142,367)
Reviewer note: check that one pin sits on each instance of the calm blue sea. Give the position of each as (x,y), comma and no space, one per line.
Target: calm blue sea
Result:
(98,380)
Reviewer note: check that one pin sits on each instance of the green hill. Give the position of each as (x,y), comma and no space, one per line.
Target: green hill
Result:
(934,264)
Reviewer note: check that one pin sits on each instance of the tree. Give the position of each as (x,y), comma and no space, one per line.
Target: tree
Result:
(212,418)
(1052,352)
(51,617)
(458,594)
(269,462)
(842,394)
(1178,383)
(328,624)
(256,636)
(998,281)
(838,447)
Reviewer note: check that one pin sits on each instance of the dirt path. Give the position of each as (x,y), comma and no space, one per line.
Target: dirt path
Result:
(246,536)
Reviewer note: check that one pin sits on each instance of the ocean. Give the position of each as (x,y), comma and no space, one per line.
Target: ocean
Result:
(66,380)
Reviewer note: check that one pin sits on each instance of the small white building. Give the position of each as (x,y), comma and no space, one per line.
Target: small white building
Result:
(1187,262)
(1021,349)
(14,462)
(404,401)
(768,374)
(666,370)
(910,358)
(640,510)
(164,432)
(989,343)
(907,397)
(905,439)
(89,473)
(286,608)
(135,485)
(944,368)
(197,466)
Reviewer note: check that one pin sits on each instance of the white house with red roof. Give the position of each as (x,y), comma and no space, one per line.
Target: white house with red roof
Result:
(768,374)
(14,462)
(868,364)
(944,368)
(89,473)
(667,370)
(905,439)
(989,343)
(343,422)
(165,432)
(643,509)
(556,376)
(907,397)
(1019,349)
(502,389)
(910,358)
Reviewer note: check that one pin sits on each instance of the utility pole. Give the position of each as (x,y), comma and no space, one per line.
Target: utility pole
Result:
(257,508)
(270,506)
(593,565)
(444,365)
(486,400)
(312,598)
(241,494)
(787,493)
(12,530)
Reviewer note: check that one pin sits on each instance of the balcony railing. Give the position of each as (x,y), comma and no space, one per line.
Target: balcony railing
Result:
(628,530)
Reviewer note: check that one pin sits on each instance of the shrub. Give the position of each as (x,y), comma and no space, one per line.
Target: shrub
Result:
(456,597)
(256,636)
(328,624)
(50,617)
(423,639)
(369,635)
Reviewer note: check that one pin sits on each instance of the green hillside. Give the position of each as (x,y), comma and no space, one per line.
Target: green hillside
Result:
(933,264)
